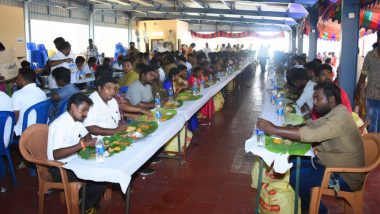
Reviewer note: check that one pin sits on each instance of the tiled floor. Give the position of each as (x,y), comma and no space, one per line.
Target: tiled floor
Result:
(215,178)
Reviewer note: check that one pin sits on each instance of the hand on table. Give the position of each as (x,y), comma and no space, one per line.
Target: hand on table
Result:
(121,128)
(266,126)
(90,143)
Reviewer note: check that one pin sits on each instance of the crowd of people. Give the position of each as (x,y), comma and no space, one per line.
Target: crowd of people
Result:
(124,89)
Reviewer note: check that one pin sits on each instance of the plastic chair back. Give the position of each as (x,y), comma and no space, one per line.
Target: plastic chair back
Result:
(42,113)
(4,116)
(371,150)
(123,89)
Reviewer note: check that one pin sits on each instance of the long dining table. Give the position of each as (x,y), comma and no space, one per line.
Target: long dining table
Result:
(120,167)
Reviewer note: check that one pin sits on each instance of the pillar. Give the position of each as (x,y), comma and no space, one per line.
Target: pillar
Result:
(349,50)
(130,26)
(313,33)
(27,21)
(91,31)
(300,40)
(294,40)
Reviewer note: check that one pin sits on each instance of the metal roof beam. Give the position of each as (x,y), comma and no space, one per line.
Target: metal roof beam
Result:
(214,18)
(295,15)
(303,2)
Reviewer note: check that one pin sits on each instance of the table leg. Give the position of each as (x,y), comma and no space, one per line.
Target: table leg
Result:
(179,147)
(259,184)
(185,143)
(83,198)
(127,199)
(297,184)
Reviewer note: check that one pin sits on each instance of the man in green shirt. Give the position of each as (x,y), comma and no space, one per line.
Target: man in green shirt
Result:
(130,75)
(337,138)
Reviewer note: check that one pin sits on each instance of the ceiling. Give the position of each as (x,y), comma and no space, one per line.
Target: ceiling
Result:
(285,13)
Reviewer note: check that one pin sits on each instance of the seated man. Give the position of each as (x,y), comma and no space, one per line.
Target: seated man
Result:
(140,91)
(339,143)
(66,90)
(104,116)
(306,85)
(67,136)
(130,75)
(27,95)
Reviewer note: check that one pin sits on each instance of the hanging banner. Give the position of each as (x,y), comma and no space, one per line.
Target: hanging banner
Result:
(236,35)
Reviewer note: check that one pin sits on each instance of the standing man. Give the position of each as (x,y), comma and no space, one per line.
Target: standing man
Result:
(263,57)
(132,51)
(92,50)
(371,69)
(190,50)
(61,59)
(207,50)
(67,136)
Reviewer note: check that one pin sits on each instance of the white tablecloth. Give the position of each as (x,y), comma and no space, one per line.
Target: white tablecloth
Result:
(280,161)
(189,108)
(120,167)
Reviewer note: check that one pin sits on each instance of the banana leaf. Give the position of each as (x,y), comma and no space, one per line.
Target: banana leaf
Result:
(282,146)
(177,104)
(186,96)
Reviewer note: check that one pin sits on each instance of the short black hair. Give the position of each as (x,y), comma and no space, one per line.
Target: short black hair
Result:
(62,73)
(28,74)
(182,67)
(25,64)
(328,60)
(80,59)
(311,66)
(317,60)
(378,34)
(324,67)
(330,90)
(64,46)
(127,60)
(172,73)
(182,58)
(91,60)
(104,79)
(103,70)
(145,69)
(299,74)
(196,69)
(77,99)
(58,41)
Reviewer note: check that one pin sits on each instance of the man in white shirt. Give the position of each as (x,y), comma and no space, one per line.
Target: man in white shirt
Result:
(92,50)
(6,105)
(303,82)
(63,58)
(67,136)
(140,91)
(104,116)
(27,95)
(207,50)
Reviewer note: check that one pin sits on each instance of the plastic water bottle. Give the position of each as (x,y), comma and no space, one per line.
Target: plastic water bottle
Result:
(280,114)
(260,138)
(202,84)
(100,150)
(157,100)
(171,94)
(195,88)
(157,114)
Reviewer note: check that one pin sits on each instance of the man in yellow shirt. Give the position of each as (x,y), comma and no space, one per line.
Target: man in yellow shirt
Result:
(130,75)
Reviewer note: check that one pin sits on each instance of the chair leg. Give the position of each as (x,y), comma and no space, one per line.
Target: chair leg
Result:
(41,198)
(108,193)
(314,201)
(62,197)
(11,168)
(74,197)
(358,204)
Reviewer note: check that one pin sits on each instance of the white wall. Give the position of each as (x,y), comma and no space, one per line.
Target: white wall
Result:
(107,37)
(44,32)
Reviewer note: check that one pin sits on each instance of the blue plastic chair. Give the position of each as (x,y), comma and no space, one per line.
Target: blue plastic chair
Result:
(4,151)
(42,113)
(123,89)
(63,107)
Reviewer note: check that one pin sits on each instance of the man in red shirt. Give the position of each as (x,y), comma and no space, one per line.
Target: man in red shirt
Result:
(325,74)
